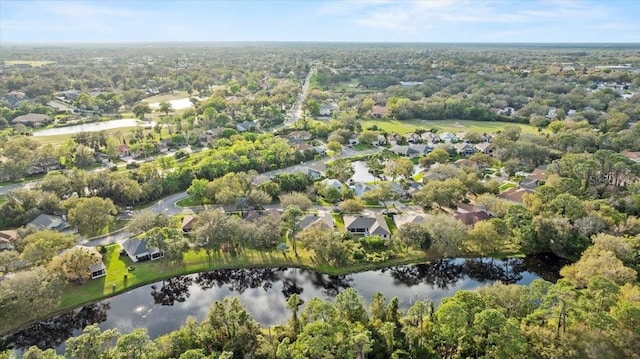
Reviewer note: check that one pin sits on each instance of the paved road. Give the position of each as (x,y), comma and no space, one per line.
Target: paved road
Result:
(295,113)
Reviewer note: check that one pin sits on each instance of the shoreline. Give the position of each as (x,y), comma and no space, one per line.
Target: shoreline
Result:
(173,270)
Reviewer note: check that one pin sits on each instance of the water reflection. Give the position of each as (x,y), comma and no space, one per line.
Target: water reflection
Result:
(54,331)
(264,292)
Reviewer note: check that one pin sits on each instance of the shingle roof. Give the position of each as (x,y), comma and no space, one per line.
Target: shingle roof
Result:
(135,247)
(46,221)
(31,118)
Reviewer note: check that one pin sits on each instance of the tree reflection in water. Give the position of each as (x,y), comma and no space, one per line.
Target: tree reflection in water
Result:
(239,280)
(54,331)
(442,273)
(173,290)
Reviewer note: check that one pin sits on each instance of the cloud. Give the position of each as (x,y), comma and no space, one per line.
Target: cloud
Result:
(411,14)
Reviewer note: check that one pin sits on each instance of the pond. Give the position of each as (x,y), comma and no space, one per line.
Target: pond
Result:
(92,127)
(164,306)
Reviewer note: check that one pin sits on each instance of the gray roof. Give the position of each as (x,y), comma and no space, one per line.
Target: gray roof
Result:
(135,247)
(404,150)
(312,219)
(376,225)
(47,221)
(31,118)
(402,219)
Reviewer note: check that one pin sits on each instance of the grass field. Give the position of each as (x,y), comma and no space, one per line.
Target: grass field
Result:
(27,62)
(175,95)
(58,139)
(452,126)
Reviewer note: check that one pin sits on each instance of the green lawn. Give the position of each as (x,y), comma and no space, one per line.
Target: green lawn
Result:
(505,186)
(363,147)
(175,95)
(189,202)
(2,199)
(452,126)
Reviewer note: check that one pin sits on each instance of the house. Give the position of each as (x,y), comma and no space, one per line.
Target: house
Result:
(463,162)
(634,156)
(32,119)
(318,166)
(47,221)
(402,219)
(413,137)
(429,137)
(322,221)
(312,173)
(137,250)
(381,140)
(514,195)
(12,101)
(484,147)
(300,135)
(535,179)
(405,151)
(247,126)
(470,215)
(448,137)
(123,150)
(328,109)
(330,182)
(360,188)
(95,270)
(413,188)
(188,222)
(301,147)
(8,239)
(367,226)
(273,214)
(422,149)
(465,149)
(378,111)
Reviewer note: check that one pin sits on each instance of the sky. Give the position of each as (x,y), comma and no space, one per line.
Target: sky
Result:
(521,21)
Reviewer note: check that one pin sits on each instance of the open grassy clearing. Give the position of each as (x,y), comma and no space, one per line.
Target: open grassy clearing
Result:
(452,126)
(58,139)
(28,62)
(175,95)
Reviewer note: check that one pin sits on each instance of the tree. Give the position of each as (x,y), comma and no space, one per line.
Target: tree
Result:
(598,261)
(340,169)
(144,220)
(485,237)
(293,303)
(165,107)
(75,262)
(334,148)
(198,190)
(444,193)
(92,215)
(448,235)
(92,343)
(135,345)
(438,155)
(399,167)
(352,206)
(291,217)
(28,295)
(40,247)
(298,199)
(330,193)
(141,109)
(415,235)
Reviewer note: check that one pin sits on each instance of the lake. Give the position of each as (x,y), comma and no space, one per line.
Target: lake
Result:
(92,127)
(164,306)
